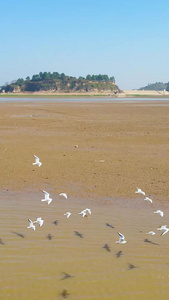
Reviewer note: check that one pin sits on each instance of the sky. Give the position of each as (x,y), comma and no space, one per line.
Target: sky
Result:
(127,39)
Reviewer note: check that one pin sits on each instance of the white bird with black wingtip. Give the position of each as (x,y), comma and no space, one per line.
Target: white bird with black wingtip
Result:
(121,239)
(31,225)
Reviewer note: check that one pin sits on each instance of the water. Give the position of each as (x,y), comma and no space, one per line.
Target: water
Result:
(77,99)
(33,267)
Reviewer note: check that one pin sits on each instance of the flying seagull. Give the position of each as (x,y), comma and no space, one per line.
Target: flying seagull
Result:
(139,191)
(160,212)
(148,199)
(37,161)
(151,232)
(121,239)
(49,200)
(39,221)
(164,228)
(83,213)
(31,225)
(68,214)
(88,210)
(63,194)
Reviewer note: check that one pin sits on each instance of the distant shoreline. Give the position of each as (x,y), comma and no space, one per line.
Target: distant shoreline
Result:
(123,94)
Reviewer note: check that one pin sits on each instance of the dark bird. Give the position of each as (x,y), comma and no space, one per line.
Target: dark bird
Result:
(106,246)
(150,242)
(66,276)
(130,266)
(109,225)
(118,254)
(55,222)
(49,236)
(1,242)
(18,234)
(64,293)
(79,234)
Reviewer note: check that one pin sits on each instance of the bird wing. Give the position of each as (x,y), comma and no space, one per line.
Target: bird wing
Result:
(63,194)
(122,237)
(30,222)
(46,193)
(36,158)
(165,231)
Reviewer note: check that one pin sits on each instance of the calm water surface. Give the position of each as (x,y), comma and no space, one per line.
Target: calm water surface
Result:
(77,99)
(32,267)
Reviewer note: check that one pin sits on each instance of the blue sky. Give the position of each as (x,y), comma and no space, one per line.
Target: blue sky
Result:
(126,39)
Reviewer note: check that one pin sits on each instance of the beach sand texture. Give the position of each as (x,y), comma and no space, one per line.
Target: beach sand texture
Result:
(120,146)
(97,153)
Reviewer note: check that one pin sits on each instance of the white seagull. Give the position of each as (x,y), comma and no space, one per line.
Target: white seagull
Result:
(121,239)
(49,200)
(160,212)
(163,227)
(151,232)
(83,213)
(31,224)
(37,161)
(148,199)
(165,230)
(68,214)
(139,191)
(63,194)
(39,221)
(88,210)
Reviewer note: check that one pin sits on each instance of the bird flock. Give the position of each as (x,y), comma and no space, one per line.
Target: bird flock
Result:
(158,211)
(47,199)
(85,213)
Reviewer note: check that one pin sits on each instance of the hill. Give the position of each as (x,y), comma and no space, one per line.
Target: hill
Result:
(61,83)
(158,86)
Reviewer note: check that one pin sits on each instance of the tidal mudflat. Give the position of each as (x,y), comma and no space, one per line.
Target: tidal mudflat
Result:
(97,153)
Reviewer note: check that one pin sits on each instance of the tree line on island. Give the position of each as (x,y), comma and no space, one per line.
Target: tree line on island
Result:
(157,86)
(56,82)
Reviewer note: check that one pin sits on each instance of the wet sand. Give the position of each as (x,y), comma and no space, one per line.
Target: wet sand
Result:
(120,146)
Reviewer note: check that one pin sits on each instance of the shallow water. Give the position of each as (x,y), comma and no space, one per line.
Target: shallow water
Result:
(33,266)
(79,99)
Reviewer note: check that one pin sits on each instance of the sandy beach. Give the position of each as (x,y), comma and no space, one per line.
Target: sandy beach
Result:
(95,149)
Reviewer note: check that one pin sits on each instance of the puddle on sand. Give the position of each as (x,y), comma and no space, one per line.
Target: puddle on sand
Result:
(34,266)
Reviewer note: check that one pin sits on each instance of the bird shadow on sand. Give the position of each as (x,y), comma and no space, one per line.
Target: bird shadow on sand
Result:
(18,234)
(66,276)
(150,242)
(79,234)
(131,266)
(109,225)
(107,248)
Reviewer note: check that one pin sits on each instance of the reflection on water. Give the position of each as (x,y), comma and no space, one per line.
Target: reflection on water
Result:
(93,267)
